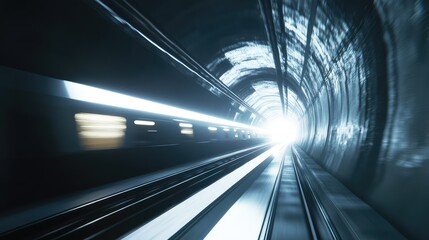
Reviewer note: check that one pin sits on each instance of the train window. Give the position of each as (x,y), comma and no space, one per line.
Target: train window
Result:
(186,129)
(144,123)
(98,131)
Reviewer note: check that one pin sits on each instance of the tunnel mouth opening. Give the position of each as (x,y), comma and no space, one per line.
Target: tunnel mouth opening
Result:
(283,130)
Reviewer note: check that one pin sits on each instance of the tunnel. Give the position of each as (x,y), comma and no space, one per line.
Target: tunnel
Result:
(203,119)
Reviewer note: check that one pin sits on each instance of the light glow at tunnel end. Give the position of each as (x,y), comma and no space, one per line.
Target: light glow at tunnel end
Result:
(284,130)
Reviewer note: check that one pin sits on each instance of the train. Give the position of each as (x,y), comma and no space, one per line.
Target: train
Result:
(57,142)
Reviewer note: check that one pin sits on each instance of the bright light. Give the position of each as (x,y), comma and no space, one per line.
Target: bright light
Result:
(185,125)
(166,225)
(187,131)
(226,129)
(144,123)
(98,131)
(213,129)
(283,130)
(96,95)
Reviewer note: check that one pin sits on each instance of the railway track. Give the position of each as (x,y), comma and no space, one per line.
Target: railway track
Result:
(114,215)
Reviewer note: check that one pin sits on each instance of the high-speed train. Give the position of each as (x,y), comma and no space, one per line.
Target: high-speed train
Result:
(61,137)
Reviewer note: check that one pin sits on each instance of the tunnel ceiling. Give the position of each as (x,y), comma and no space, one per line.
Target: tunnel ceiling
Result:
(318,46)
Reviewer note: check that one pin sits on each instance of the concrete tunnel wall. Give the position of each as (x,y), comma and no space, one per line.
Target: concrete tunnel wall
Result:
(355,71)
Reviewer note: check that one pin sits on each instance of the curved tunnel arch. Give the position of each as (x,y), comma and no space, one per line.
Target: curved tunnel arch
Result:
(331,70)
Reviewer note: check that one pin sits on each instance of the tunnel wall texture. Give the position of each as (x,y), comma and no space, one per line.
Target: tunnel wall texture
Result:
(345,112)
(368,125)
(400,187)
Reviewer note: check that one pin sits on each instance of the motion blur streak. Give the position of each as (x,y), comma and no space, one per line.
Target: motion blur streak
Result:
(98,131)
(96,95)
(187,131)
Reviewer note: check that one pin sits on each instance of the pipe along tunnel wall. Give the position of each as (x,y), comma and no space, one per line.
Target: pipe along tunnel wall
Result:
(354,74)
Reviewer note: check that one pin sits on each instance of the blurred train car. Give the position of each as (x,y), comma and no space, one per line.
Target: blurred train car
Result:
(55,144)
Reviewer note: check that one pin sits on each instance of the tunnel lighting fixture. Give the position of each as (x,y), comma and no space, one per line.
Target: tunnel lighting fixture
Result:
(144,123)
(226,129)
(213,129)
(98,131)
(185,125)
(100,96)
(152,130)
